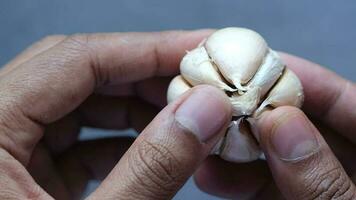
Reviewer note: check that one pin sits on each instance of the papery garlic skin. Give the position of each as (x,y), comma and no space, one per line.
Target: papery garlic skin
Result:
(287,91)
(245,104)
(204,71)
(239,146)
(239,62)
(229,48)
(268,73)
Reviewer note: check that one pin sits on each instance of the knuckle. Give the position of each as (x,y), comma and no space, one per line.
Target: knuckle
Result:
(329,184)
(79,40)
(12,137)
(52,38)
(84,46)
(156,169)
(78,44)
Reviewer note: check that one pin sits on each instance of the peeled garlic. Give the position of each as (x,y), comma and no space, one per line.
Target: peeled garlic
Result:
(239,61)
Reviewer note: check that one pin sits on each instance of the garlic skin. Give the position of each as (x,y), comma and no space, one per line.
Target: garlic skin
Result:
(268,73)
(239,62)
(196,68)
(287,91)
(245,104)
(239,146)
(177,87)
(228,49)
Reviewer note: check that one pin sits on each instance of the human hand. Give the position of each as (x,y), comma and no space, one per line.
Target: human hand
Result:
(112,81)
(303,166)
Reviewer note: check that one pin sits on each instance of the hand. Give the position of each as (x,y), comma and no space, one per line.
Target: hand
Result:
(303,166)
(113,81)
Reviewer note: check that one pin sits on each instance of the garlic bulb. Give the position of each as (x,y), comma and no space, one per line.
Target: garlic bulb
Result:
(239,62)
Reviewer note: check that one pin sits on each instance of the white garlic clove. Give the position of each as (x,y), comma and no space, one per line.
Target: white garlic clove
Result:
(246,103)
(239,145)
(197,68)
(287,91)
(176,88)
(237,52)
(217,148)
(268,73)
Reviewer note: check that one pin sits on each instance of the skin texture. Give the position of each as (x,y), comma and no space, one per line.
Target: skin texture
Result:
(113,81)
(117,81)
(330,105)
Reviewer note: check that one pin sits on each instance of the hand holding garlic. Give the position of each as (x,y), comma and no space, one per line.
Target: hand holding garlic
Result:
(239,62)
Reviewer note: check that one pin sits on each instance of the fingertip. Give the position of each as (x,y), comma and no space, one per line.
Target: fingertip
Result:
(269,119)
(204,112)
(217,94)
(288,134)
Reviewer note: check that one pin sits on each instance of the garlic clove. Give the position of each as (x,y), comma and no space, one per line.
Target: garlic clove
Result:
(246,103)
(237,52)
(239,145)
(176,88)
(197,68)
(287,91)
(217,148)
(268,73)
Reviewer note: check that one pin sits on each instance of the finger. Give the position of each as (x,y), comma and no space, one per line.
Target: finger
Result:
(171,147)
(16,182)
(247,180)
(301,162)
(328,97)
(56,81)
(30,52)
(116,112)
(42,168)
(89,160)
(152,90)
(343,149)
(104,112)
(232,180)
(67,174)
(62,134)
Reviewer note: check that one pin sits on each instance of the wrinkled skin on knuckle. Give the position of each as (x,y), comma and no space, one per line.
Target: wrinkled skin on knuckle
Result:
(86,47)
(156,170)
(14,136)
(322,179)
(158,164)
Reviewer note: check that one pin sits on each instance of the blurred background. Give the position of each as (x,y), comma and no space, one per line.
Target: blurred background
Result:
(319,30)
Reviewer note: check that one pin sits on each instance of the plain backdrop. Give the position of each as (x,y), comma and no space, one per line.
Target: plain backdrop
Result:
(323,31)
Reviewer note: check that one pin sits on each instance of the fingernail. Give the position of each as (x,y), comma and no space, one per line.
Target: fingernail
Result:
(203,113)
(293,137)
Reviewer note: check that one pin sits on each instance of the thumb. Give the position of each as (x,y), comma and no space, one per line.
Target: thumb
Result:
(301,162)
(170,148)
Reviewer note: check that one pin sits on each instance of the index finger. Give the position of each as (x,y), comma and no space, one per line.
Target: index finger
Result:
(328,97)
(54,82)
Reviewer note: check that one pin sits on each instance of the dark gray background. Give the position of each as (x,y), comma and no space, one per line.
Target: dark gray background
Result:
(320,30)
